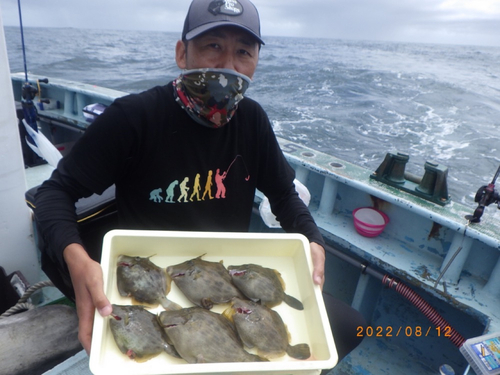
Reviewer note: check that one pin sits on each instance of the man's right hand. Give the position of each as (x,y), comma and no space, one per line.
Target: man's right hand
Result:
(86,276)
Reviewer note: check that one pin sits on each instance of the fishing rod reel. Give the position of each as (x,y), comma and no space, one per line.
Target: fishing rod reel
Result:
(485,196)
(28,93)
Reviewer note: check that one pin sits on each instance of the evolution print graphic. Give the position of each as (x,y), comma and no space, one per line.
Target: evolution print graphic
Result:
(186,191)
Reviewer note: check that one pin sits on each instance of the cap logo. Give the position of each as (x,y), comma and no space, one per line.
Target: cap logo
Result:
(227,7)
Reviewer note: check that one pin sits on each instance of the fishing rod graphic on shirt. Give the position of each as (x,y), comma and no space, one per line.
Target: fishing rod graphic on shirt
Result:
(244,164)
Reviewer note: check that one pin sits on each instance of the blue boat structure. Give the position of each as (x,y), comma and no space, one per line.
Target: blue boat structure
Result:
(427,283)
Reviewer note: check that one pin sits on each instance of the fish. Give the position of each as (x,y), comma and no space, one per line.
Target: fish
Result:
(144,281)
(33,341)
(262,284)
(138,334)
(204,283)
(203,336)
(263,328)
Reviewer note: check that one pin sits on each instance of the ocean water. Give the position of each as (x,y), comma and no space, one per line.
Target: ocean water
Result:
(356,100)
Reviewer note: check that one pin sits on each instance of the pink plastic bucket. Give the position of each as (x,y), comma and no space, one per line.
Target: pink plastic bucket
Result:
(369,222)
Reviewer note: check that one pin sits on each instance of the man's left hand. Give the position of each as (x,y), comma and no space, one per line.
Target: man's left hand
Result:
(318,258)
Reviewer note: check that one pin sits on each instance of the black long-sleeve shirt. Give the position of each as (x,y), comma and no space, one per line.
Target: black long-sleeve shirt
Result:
(171,173)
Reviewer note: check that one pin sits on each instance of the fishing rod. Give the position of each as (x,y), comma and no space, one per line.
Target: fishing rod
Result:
(22,40)
(34,139)
(28,91)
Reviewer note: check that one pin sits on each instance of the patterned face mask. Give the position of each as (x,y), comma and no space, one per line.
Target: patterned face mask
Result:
(210,96)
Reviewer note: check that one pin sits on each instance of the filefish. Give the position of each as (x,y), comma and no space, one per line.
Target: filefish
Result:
(138,334)
(144,281)
(262,284)
(261,327)
(203,336)
(204,283)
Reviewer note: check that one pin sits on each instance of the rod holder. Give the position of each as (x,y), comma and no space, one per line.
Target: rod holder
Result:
(432,186)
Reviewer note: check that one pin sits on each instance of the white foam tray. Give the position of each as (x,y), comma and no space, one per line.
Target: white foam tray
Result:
(288,253)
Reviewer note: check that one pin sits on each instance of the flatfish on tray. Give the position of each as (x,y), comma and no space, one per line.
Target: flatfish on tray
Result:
(204,283)
(144,281)
(138,334)
(261,327)
(203,336)
(262,284)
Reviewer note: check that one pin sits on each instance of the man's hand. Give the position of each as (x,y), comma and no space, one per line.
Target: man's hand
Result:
(318,258)
(86,276)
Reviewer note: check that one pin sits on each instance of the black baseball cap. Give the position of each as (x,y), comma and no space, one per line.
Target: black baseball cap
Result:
(204,15)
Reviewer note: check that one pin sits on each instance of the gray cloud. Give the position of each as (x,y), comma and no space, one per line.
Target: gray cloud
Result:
(388,20)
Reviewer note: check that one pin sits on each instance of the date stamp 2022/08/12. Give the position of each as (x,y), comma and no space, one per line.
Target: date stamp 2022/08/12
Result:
(407,331)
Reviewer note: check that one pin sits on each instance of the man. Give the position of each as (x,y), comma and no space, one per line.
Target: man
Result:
(146,142)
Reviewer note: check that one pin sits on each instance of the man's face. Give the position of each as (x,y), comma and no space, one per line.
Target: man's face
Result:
(225,47)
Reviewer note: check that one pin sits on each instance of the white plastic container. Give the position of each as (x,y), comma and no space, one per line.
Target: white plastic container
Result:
(288,253)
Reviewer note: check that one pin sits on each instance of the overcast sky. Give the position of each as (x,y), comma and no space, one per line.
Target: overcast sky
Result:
(475,22)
